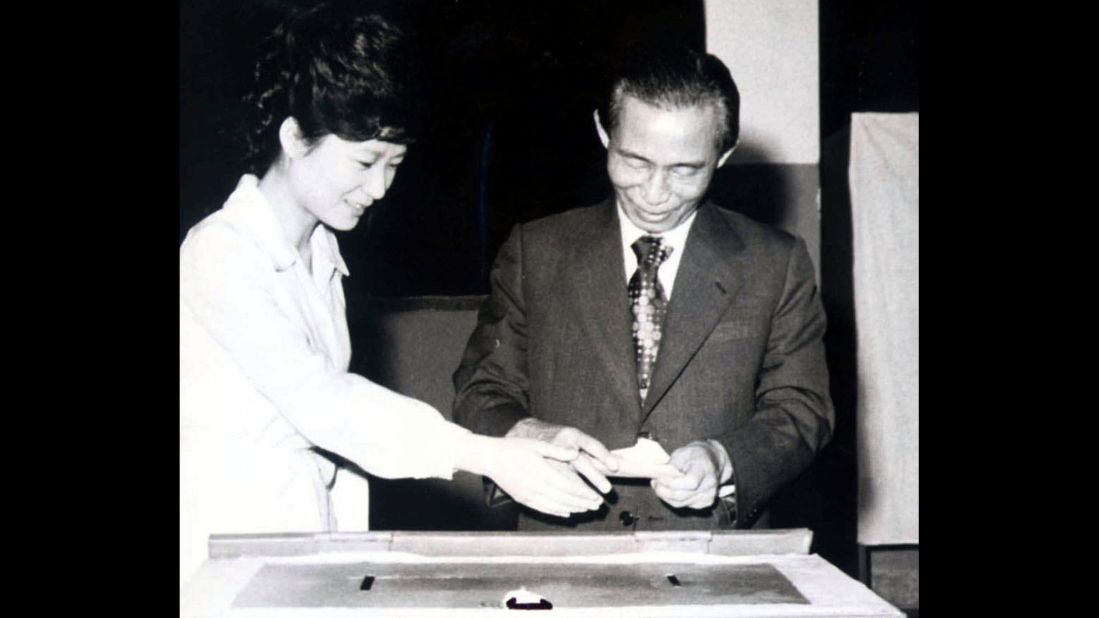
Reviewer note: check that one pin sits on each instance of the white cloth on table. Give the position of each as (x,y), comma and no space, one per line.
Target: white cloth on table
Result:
(264,354)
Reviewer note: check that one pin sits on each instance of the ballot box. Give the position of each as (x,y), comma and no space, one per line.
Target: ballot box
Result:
(455,574)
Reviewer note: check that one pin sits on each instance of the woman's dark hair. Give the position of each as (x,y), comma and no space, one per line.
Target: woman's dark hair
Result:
(336,69)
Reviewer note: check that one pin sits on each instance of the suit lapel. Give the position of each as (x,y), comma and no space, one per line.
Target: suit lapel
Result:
(711,272)
(597,287)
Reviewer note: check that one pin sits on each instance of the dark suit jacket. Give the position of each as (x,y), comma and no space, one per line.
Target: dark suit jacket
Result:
(742,359)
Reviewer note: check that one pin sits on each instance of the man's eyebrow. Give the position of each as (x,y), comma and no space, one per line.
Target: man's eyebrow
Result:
(629,153)
(633,155)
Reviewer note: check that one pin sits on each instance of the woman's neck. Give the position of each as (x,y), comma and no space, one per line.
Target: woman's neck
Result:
(297,222)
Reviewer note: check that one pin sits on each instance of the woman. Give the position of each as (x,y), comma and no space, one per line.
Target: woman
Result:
(270,418)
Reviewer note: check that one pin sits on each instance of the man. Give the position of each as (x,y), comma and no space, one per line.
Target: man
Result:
(657,314)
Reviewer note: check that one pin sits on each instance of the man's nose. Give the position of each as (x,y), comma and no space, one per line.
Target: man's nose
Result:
(656,188)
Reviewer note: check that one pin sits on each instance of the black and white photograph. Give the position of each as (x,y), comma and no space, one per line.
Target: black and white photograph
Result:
(580,307)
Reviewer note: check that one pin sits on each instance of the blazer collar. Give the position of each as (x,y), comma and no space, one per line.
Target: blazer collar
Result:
(594,274)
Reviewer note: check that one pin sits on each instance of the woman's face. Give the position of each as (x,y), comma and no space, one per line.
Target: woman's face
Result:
(337,180)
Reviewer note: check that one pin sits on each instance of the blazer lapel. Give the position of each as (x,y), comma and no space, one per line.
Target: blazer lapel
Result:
(597,287)
(709,276)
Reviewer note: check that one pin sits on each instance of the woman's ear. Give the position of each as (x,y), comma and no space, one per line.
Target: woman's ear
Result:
(291,140)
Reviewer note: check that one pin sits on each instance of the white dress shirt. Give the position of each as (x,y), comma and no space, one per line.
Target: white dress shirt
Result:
(264,354)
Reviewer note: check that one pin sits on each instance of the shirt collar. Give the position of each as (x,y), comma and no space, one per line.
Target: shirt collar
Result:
(675,237)
(248,205)
(327,248)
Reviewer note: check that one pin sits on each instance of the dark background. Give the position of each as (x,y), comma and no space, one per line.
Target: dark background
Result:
(510,89)
(512,86)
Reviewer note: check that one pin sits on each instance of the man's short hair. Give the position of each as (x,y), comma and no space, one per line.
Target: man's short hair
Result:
(674,77)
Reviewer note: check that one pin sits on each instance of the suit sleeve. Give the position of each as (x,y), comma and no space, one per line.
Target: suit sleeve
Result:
(491,381)
(794,415)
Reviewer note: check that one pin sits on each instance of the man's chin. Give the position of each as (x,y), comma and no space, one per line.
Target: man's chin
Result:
(656,224)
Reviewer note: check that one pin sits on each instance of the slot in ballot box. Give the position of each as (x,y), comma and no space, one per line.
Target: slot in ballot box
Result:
(457,574)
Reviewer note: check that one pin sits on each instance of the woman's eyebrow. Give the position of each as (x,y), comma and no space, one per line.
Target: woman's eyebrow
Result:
(374,151)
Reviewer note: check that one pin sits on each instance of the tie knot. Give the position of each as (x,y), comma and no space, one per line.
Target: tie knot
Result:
(650,251)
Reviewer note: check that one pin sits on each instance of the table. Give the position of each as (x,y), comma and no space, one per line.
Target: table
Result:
(458,574)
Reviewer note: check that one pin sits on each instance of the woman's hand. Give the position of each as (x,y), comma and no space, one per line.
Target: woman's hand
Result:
(594,461)
(532,472)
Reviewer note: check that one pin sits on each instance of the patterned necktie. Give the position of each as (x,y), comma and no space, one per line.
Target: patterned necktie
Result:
(648,305)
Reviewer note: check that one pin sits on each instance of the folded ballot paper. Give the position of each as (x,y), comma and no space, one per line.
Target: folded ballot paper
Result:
(646,459)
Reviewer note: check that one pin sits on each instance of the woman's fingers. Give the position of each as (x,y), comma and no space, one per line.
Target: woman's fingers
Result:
(580,463)
(584,465)
(561,478)
(533,477)
(538,474)
(596,449)
(553,451)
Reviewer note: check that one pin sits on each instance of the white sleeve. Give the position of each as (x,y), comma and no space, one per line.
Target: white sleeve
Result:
(229,287)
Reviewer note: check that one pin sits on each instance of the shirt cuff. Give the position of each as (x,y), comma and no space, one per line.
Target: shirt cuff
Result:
(726,472)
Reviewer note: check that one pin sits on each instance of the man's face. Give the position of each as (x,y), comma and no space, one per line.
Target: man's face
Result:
(660,161)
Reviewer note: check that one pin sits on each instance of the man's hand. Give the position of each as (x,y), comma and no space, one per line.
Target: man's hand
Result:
(531,472)
(704,466)
(594,460)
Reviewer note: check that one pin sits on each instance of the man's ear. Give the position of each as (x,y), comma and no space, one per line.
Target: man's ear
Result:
(725,157)
(291,140)
(603,137)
